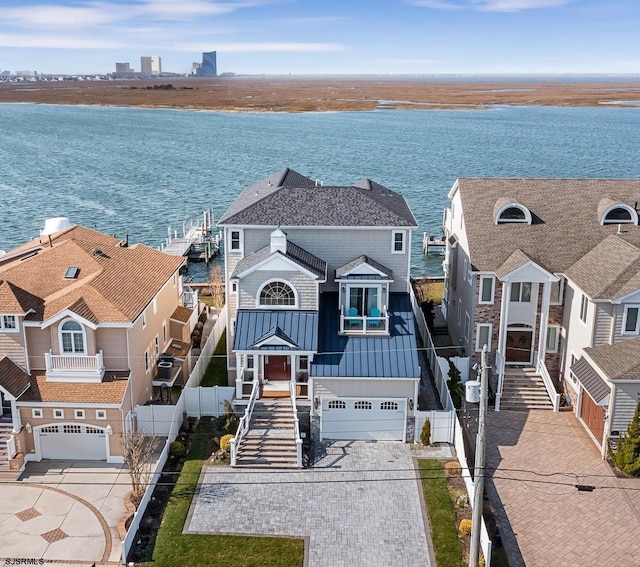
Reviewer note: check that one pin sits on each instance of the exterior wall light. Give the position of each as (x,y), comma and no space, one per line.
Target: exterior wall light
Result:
(411,404)
(316,403)
(28,427)
(109,430)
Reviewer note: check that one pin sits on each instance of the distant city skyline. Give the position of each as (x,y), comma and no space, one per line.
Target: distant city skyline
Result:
(325,37)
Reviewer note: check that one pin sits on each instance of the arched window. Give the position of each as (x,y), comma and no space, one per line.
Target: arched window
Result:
(620,214)
(512,213)
(72,338)
(277,294)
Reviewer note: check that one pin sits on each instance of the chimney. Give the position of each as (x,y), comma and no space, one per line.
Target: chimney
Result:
(278,241)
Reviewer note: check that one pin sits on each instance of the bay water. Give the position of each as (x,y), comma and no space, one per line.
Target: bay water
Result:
(138,171)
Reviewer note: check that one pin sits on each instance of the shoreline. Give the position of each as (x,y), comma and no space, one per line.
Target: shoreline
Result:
(301,95)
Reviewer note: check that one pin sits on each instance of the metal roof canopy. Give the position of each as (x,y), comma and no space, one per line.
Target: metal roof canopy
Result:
(591,381)
(256,325)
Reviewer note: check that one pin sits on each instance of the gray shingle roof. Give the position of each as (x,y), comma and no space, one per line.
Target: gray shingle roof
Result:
(362,260)
(606,271)
(513,262)
(566,224)
(290,199)
(619,361)
(295,253)
(591,380)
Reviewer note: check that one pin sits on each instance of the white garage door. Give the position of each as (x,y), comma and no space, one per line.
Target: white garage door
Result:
(73,441)
(363,418)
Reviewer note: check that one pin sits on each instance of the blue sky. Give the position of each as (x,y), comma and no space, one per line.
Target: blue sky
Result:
(324,36)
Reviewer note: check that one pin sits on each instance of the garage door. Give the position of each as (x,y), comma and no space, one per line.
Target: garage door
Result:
(363,418)
(73,441)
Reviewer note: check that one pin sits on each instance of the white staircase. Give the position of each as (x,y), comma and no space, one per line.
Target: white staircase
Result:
(6,474)
(271,439)
(524,389)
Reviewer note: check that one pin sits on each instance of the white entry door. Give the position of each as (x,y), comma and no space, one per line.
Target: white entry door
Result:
(71,441)
(363,419)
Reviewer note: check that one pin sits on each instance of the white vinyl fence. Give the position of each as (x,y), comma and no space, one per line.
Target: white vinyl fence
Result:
(442,425)
(207,401)
(207,349)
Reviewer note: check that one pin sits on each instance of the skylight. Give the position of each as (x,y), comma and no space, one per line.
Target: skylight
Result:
(72,273)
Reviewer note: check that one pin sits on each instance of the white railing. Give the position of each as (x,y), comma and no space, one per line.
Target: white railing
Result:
(548,384)
(498,368)
(246,376)
(189,299)
(364,325)
(243,426)
(11,447)
(296,425)
(62,364)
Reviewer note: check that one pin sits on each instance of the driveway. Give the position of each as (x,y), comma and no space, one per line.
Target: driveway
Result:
(64,511)
(359,506)
(539,457)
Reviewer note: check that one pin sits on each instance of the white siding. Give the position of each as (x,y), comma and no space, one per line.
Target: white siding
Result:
(625,405)
(603,325)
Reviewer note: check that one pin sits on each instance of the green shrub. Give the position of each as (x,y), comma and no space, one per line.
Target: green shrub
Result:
(177,449)
(627,455)
(454,385)
(425,435)
(225,442)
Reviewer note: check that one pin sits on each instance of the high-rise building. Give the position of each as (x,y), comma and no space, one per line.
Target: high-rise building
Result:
(123,68)
(150,65)
(209,64)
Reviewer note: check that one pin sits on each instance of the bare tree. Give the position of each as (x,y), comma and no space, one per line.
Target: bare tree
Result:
(138,450)
(216,284)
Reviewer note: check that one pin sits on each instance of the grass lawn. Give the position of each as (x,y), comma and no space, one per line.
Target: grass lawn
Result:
(442,516)
(426,290)
(216,372)
(175,549)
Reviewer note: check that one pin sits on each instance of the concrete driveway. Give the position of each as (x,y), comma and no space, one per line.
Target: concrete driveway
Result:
(536,459)
(64,511)
(359,506)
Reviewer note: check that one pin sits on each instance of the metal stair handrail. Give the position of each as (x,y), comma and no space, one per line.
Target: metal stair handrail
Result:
(296,425)
(243,426)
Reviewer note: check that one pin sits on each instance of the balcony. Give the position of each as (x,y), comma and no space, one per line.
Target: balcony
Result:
(74,368)
(189,299)
(353,324)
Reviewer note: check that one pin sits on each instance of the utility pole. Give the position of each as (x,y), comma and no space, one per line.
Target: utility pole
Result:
(478,475)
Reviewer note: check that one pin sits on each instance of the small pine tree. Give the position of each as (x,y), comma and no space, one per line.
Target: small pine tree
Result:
(425,434)
(627,455)
(454,385)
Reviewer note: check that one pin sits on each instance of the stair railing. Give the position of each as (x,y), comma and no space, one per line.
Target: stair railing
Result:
(243,426)
(296,425)
(541,369)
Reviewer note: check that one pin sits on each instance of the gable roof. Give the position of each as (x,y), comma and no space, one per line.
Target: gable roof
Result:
(114,283)
(13,379)
(609,270)
(295,253)
(360,260)
(619,361)
(288,198)
(565,222)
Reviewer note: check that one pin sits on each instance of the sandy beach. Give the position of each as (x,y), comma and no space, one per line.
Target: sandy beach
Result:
(296,94)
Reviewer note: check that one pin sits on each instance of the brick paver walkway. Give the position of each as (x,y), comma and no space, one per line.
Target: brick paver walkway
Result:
(545,522)
(359,506)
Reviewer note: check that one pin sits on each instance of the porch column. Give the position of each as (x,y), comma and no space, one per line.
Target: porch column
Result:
(15,416)
(504,323)
(292,369)
(544,322)
(239,376)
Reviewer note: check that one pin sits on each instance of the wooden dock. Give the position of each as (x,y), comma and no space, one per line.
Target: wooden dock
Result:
(432,242)
(197,243)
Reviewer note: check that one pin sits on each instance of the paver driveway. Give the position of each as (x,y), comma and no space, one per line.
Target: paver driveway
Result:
(359,506)
(539,457)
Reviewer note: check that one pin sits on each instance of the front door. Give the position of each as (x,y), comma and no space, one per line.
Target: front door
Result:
(277,367)
(519,344)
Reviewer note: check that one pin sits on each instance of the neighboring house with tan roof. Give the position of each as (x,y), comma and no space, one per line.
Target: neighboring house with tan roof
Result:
(317,291)
(84,322)
(545,272)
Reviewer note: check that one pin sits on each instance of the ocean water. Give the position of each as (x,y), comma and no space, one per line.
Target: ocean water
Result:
(139,171)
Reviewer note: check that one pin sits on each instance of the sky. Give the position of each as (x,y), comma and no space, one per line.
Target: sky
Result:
(324,36)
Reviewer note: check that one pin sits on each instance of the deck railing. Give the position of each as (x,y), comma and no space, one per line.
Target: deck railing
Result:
(362,324)
(189,299)
(541,369)
(61,365)
(11,447)
(243,426)
(498,368)
(296,425)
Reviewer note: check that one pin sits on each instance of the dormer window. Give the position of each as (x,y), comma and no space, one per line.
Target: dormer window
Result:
(72,338)
(513,213)
(620,214)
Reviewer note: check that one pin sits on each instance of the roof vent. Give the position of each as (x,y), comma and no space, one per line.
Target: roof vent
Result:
(54,224)
(97,252)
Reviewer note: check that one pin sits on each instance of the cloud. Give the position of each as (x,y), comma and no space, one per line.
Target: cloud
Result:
(58,42)
(258,47)
(47,16)
(490,5)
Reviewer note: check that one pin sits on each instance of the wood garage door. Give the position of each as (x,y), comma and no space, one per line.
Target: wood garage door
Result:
(71,441)
(363,419)
(593,416)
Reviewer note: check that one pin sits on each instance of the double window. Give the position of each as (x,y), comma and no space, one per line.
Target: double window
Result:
(521,292)
(72,338)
